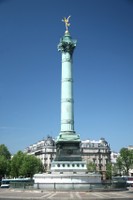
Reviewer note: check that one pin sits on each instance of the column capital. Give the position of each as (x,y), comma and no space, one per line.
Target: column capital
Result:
(67,44)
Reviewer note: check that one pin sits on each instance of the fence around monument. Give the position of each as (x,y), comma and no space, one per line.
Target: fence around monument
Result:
(70,186)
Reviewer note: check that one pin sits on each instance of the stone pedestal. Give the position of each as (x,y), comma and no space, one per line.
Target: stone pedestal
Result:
(68,148)
(66,181)
(68,167)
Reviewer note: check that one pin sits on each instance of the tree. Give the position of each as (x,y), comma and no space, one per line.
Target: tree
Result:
(119,165)
(116,170)
(3,166)
(4,151)
(4,160)
(25,165)
(30,166)
(16,163)
(125,160)
(91,167)
(109,171)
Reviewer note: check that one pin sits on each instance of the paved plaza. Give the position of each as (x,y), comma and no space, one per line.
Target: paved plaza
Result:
(6,194)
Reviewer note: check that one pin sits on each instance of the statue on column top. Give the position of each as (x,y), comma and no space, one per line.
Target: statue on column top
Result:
(66,21)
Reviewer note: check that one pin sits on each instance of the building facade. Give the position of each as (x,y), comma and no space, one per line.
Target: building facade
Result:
(97,152)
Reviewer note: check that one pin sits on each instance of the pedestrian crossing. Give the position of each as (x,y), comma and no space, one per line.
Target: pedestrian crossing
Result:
(6,194)
(87,195)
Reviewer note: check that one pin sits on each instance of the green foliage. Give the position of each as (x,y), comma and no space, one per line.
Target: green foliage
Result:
(4,161)
(109,171)
(125,160)
(4,151)
(119,165)
(25,165)
(3,166)
(91,167)
(115,170)
(16,163)
(8,169)
(30,166)
(20,165)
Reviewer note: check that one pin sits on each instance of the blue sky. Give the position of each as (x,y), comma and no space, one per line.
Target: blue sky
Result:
(30,70)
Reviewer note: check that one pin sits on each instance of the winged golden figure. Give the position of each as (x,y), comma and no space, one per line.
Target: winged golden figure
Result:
(66,21)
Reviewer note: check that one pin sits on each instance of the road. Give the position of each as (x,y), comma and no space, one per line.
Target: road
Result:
(8,194)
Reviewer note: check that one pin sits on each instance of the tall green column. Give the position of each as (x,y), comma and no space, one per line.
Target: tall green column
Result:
(67,142)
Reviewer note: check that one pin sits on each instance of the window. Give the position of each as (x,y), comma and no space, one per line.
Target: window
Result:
(74,172)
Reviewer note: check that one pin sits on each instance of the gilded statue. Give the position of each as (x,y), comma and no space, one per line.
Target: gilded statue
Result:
(66,21)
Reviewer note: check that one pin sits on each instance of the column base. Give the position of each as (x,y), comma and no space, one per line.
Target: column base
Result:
(68,147)
(68,136)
